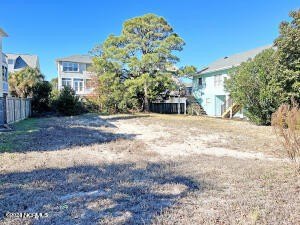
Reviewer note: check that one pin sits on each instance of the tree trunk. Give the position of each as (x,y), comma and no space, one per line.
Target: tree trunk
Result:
(146,100)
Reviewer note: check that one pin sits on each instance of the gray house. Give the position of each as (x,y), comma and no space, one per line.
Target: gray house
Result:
(73,71)
(18,62)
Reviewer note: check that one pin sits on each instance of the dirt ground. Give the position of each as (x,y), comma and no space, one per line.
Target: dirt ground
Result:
(146,169)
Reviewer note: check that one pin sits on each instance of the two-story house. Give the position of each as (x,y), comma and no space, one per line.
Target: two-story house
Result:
(208,85)
(17,62)
(4,72)
(3,67)
(73,71)
(3,80)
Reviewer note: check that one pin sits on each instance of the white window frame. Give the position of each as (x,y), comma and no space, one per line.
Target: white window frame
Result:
(70,67)
(218,80)
(66,82)
(78,85)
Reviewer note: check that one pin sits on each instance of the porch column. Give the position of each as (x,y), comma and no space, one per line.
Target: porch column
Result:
(227,101)
(72,83)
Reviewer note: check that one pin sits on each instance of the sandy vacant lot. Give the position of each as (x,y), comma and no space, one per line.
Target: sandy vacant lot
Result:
(146,169)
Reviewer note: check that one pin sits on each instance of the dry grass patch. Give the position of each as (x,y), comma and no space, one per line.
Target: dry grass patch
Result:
(83,179)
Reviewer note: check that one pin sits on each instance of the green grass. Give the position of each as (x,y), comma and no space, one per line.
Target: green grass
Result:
(8,140)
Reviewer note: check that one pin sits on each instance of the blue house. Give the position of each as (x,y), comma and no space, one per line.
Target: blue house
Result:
(208,85)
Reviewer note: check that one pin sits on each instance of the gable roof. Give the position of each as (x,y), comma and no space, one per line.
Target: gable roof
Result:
(2,33)
(76,58)
(233,60)
(31,60)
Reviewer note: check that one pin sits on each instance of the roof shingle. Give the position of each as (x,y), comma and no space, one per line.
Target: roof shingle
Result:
(76,58)
(31,60)
(233,60)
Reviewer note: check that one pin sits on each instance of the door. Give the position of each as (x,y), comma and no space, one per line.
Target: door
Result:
(219,103)
(78,85)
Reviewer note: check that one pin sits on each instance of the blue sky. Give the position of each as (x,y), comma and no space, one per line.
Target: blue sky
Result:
(211,29)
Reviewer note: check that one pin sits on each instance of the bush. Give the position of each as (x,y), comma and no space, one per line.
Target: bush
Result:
(286,121)
(67,103)
(41,97)
(254,86)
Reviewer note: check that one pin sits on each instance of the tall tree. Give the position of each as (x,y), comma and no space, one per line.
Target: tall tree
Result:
(140,58)
(21,83)
(273,77)
(288,53)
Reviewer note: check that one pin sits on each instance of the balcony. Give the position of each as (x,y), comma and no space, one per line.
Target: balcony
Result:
(87,74)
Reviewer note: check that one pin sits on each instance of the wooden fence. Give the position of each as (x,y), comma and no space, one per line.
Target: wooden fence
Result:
(167,108)
(14,109)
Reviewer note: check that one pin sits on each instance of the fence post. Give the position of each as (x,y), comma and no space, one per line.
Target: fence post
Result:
(4,108)
(14,103)
(20,100)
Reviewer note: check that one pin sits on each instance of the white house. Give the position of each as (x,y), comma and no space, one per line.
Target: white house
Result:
(73,71)
(3,79)
(17,62)
(3,67)
(4,74)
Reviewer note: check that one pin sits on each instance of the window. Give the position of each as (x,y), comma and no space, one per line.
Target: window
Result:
(218,80)
(78,85)
(66,82)
(200,81)
(10,61)
(70,67)
(4,73)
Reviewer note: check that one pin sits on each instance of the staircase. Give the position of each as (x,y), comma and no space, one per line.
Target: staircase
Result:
(193,107)
(231,111)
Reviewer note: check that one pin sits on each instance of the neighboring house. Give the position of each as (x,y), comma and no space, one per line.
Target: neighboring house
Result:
(73,71)
(3,67)
(3,80)
(4,74)
(17,62)
(208,85)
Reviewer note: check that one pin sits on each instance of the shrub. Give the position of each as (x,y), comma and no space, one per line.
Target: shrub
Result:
(254,86)
(67,103)
(41,97)
(286,121)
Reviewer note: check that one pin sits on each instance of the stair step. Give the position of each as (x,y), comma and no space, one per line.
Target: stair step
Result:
(195,107)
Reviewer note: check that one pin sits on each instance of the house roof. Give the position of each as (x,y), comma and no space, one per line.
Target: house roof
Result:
(76,58)
(233,60)
(2,33)
(31,60)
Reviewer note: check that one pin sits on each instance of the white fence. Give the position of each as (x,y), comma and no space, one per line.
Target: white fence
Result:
(14,109)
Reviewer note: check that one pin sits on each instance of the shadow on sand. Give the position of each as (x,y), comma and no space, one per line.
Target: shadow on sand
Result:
(113,193)
(64,132)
